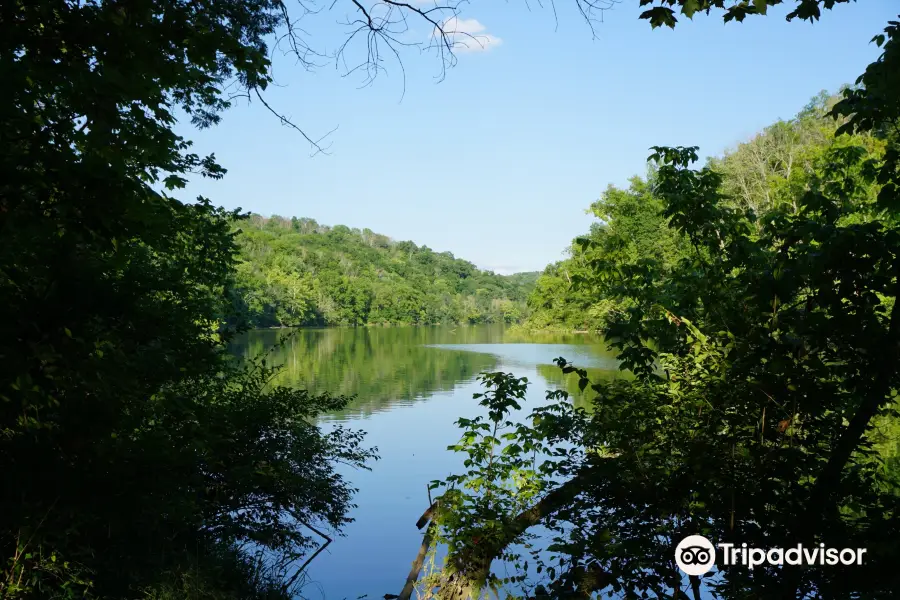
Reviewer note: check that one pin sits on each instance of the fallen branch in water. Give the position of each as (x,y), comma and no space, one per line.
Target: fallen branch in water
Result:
(555,500)
(426,519)
(413,577)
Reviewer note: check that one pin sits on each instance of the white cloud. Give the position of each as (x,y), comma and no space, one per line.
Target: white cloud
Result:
(468,35)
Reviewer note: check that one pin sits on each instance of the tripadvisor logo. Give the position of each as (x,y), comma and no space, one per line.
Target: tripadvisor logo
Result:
(696,555)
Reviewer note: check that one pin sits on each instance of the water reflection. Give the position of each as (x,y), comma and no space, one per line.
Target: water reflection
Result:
(411,386)
(396,366)
(382,367)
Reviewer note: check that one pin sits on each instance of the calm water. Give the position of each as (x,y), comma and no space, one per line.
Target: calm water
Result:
(411,384)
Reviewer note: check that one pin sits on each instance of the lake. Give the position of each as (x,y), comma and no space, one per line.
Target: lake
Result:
(411,384)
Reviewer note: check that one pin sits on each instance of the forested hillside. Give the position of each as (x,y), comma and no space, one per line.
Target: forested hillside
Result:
(299,272)
(770,171)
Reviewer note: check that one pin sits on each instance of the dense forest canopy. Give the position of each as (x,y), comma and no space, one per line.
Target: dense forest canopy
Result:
(299,272)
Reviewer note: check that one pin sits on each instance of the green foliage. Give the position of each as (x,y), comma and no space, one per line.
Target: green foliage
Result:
(775,353)
(507,467)
(874,105)
(134,460)
(775,167)
(571,383)
(500,478)
(664,13)
(631,229)
(132,452)
(298,272)
(771,171)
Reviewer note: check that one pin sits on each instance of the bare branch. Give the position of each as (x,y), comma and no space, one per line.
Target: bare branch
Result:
(302,568)
(383,27)
(287,122)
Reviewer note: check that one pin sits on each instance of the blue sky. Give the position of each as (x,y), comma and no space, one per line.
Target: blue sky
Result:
(498,162)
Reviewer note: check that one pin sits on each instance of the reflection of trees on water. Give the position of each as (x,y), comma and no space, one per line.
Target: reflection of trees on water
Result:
(530,336)
(381,366)
(384,367)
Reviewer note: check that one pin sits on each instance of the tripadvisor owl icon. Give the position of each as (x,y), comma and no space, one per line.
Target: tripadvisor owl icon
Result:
(695,555)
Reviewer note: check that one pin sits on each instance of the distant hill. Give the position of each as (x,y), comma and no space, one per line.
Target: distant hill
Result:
(298,272)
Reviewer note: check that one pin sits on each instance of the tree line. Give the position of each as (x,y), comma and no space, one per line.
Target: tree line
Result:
(299,272)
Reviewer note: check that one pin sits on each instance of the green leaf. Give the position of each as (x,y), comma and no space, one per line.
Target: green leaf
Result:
(659,16)
(689,7)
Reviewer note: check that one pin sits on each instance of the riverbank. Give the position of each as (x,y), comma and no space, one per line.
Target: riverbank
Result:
(523,328)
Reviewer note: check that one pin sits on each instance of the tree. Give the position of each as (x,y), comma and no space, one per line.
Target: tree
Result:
(631,229)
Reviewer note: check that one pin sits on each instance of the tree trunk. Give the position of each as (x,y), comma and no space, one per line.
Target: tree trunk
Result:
(467,578)
(466,584)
